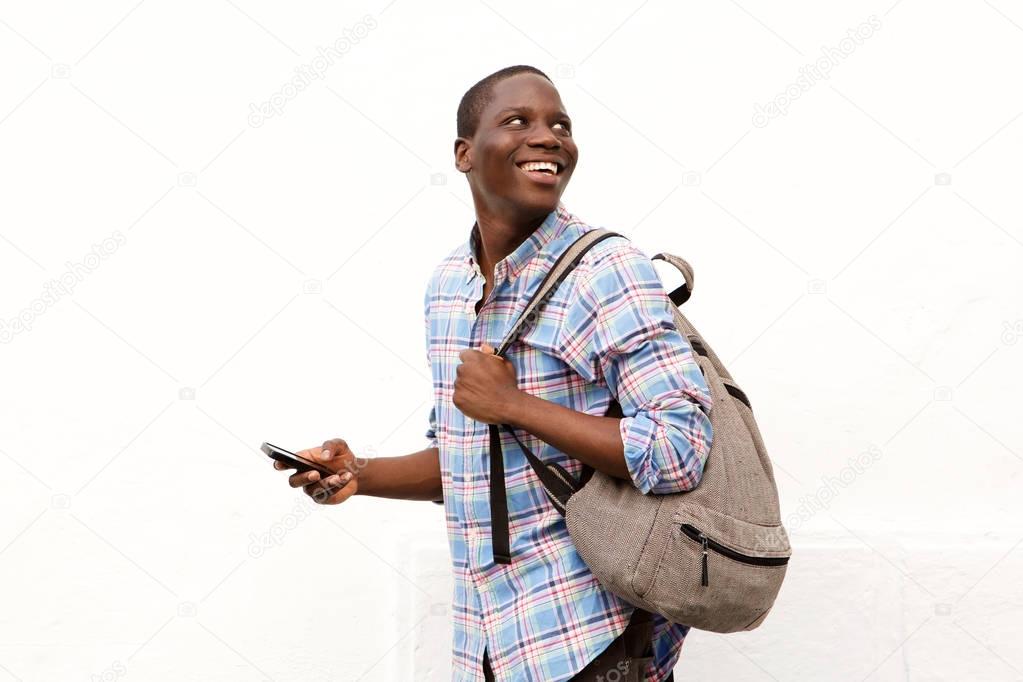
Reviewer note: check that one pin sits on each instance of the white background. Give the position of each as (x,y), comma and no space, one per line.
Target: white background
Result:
(858,265)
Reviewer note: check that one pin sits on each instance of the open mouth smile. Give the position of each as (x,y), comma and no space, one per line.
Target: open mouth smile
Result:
(544,172)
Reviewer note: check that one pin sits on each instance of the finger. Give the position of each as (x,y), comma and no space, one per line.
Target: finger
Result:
(320,491)
(343,494)
(331,449)
(324,493)
(316,490)
(303,478)
(338,480)
(487,348)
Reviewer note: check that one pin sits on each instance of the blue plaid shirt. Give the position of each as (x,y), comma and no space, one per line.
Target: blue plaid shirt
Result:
(607,332)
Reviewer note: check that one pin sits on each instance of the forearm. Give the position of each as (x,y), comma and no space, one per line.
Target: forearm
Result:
(409,477)
(591,439)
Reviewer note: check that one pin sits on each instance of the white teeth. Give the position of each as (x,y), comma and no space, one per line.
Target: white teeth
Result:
(540,165)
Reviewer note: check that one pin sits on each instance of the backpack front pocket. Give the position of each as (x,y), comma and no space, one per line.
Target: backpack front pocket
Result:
(708,544)
(705,583)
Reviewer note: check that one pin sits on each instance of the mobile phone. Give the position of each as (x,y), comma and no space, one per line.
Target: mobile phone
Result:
(292,460)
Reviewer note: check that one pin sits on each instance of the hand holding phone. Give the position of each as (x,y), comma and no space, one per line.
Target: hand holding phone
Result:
(329,480)
(292,460)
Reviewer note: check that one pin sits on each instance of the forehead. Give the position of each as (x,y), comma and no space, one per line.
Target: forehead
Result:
(524,91)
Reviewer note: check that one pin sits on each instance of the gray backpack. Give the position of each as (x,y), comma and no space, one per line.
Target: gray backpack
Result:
(713,557)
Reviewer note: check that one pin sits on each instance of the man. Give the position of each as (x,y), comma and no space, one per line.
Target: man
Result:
(607,333)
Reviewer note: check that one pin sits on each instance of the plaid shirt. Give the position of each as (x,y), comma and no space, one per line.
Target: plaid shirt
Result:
(608,331)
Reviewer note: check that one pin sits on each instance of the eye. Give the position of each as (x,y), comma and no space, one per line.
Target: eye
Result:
(566,125)
(515,118)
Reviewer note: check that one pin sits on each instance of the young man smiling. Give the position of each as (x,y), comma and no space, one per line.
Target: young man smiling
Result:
(606,333)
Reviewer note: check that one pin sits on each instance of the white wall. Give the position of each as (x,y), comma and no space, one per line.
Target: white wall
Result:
(858,265)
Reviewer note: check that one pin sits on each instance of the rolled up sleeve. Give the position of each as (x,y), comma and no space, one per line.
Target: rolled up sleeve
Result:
(619,329)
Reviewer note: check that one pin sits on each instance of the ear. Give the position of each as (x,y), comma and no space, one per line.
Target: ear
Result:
(463,160)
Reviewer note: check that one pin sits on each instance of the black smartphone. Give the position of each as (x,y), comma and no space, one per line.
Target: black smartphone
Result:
(292,460)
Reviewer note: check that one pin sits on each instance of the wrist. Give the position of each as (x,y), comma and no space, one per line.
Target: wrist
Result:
(516,408)
(361,469)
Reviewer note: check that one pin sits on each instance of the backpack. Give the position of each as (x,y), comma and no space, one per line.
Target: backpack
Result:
(713,557)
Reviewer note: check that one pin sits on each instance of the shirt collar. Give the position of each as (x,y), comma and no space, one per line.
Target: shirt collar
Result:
(552,226)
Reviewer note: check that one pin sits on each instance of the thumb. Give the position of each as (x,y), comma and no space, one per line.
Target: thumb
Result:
(487,348)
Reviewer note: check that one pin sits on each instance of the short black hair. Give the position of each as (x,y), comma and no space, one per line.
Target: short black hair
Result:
(476,98)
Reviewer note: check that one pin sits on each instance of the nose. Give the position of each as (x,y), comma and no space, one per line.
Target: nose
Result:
(543,136)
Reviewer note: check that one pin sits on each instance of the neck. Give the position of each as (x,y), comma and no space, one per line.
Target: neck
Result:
(500,234)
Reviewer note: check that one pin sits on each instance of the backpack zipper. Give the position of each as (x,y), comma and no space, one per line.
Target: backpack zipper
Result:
(696,534)
(704,579)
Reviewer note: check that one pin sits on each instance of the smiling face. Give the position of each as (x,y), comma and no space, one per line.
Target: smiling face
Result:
(522,155)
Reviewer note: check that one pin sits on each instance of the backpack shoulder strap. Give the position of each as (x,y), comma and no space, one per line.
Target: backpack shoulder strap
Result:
(566,262)
(555,487)
(683,292)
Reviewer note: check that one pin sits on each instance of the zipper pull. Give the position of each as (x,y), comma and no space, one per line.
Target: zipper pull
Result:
(705,579)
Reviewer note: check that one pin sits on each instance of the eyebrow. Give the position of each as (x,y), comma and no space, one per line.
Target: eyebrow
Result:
(508,110)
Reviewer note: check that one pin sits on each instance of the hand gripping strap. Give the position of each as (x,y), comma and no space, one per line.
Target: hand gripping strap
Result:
(558,483)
